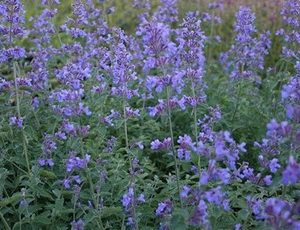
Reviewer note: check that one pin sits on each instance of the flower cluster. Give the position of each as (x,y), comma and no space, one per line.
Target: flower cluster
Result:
(16,121)
(291,174)
(246,55)
(290,32)
(161,145)
(291,97)
(277,212)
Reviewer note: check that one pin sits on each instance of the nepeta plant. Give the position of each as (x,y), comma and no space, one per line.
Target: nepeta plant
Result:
(290,15)
(101,128)
(246,56)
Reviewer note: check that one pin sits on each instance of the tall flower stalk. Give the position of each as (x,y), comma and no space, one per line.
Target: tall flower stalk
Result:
(177,171)
(12,20)
(24,138)
(191,63)
(124,79)
(246,56)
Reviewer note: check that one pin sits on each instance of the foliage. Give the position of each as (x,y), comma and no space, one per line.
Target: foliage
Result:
(141,115)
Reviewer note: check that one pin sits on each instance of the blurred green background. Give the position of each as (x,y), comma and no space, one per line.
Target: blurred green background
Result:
(126,17)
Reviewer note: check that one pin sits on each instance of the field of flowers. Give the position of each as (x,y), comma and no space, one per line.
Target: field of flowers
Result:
(139,114)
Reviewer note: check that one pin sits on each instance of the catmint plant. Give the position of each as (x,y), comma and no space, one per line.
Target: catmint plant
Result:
(290,33)
(191,61)
(246,55)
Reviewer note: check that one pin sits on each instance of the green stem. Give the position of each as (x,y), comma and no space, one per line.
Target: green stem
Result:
(136,226)
(17,90)
(237,99)
(54,25)
(195,125)
(92,189)
(125,127)
(25,150)
(74,208)
(100,225)
(210,37)
(173,146)
(6,226)
(237,103)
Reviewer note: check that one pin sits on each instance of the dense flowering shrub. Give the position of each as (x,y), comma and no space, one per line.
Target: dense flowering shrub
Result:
(101,128)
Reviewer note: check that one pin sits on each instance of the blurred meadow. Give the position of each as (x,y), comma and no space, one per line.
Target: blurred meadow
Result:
(126,17)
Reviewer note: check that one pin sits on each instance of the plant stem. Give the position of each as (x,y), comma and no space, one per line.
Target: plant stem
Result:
(237,99)
(6,226)
(210,37)
(25,150)
(173,146)
(136,227)
(125,127)
(195,125)
(237,102)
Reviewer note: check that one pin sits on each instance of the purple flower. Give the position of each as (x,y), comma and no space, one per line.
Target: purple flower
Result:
(214,173)
(185,148)
(46,162)
(74,163)
(11,53)
(216,196)
(238,227)
(122,68)
(164,145)
(35,103)
(163,105)
(185,192)
(130,221)
(109,119)
(291,97)
(158,49)
(44,27)
(291,174)
(130,112)
(290,15)
(191,41)
(279,212)
(49,145)
(127,199)
(16,121)
(77,225)
(268,180)
(68,181)
(273,165)
(129,202)
(164,208)
(61,135)
(256,206)
(141,4)
(68,128)
(110,144)
(80,12)
(167,12)
(247,54)
(141,198)
(200,215)
(45,2)
(12,19)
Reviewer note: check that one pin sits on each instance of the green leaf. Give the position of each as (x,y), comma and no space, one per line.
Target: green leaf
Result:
(178,223)
(43,218)
(10,200)
(47,174)
(110,211)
